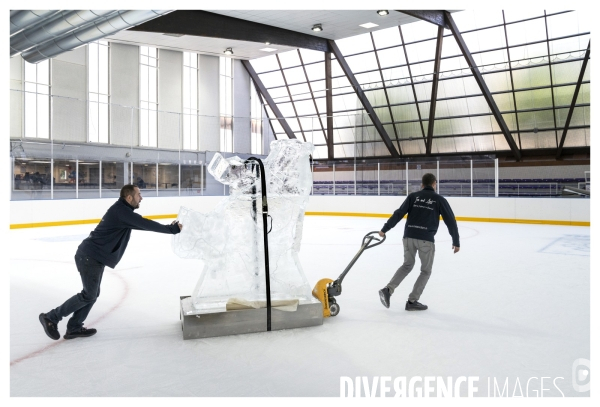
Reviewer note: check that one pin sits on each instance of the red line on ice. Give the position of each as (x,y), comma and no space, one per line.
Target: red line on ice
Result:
(37,352)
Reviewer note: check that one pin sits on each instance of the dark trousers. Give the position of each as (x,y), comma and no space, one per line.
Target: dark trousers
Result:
(81,303)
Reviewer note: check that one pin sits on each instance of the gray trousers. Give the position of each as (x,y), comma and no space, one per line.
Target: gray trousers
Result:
(426,252)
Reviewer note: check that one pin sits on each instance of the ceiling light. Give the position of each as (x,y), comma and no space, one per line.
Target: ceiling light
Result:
(267,43)
(383,12)
(268,49)
(228,51)
(369,25)
(317,27)
(174,35)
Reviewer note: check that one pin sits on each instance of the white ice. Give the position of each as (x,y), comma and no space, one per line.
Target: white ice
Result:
(513,303)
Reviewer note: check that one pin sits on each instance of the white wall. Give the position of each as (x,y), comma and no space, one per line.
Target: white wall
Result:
(208,103)
(69,79)
(170,78)
(540,209)
(125,91)
(241,108)
(16,98)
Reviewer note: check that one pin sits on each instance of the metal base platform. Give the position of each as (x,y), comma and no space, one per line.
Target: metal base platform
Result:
(197,325)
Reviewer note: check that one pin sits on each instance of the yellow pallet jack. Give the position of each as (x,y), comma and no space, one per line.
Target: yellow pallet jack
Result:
(326,289)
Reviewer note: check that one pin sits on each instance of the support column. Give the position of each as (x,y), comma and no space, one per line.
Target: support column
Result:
(354,178)
(434,89)
(100,181)
(378,179)
(329,106)
(496,177)
(437,176)
(572,108)
(363,99)
(334,179)
(482,85)
(407,178)
(471,177)
(77,179)
(263,90)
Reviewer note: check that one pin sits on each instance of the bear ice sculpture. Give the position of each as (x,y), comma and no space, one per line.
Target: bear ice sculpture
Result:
(230,238)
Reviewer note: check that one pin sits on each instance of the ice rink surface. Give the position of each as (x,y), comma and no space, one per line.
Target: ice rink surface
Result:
(512,305)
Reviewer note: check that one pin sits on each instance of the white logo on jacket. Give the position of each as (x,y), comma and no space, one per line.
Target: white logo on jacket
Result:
(428,201)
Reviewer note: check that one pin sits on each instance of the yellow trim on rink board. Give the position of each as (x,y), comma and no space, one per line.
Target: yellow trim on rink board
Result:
(459,218)
(77,222)
(364,215)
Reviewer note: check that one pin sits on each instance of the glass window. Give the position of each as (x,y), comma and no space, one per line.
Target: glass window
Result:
(148,96)
(387,37)
(256,113)
(309,56)
(289,59)
(568,46)
(525,32)
(294,75)
(421,51)
(482,40)
(315,71)
(566,73)
(98,94)
(37,99)
(114,177)
(265,64)
(193,181)
(65,178)
(168,179)
(301,91)
(533,99)
(272,79)
(518,13)
(419,30)
(144,177)
(88,179)
(32,174)
(477,18)
(391,57)
(362,62)
(226,103)
(190,101)
(573,22)
(356,44)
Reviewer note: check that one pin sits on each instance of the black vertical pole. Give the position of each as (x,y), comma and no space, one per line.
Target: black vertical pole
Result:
(265,212)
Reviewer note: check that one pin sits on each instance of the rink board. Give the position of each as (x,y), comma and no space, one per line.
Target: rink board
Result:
(197,325)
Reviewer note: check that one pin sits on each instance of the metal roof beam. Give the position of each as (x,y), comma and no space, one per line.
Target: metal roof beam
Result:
(572,108)
(265,93)
(363,99)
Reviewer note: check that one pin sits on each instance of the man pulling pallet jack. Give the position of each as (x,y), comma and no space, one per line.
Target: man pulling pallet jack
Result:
(424,209)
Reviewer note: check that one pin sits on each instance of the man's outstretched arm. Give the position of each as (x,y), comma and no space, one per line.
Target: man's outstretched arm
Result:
(138,222)
(396,217)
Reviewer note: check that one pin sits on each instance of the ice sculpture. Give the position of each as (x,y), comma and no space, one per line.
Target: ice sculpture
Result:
(230,238)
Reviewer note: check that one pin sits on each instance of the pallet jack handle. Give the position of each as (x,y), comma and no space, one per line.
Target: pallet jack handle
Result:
(366,244)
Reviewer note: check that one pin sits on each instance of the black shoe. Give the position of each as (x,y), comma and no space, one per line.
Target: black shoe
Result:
(82,333)
(384,296)
(49,327)
(415,306)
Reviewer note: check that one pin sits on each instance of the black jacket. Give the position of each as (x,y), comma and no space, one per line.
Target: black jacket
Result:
(424,209)
(108,241)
